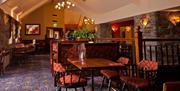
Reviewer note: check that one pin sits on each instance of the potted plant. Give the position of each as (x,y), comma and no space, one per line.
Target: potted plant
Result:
(84,33)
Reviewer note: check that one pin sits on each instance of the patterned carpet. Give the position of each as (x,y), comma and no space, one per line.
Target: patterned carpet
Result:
(34,75)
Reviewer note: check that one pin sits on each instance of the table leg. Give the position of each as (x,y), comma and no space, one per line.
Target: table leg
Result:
(92,78)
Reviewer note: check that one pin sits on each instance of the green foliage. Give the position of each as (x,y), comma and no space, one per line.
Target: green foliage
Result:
(83,33)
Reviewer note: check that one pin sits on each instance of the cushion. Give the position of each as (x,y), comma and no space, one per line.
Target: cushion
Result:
(123,60)
(148,65)
(21,45)
(72,79)
(136,82)
(58,67)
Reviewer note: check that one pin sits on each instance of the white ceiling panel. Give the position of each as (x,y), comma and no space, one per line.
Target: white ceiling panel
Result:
(100,10)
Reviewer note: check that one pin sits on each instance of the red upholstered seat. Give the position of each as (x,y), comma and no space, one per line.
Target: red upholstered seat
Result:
(137,82)
(123,60)
(72,79)
(149,68)
(58,67)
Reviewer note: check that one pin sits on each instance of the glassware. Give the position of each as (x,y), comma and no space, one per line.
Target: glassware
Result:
(82,51)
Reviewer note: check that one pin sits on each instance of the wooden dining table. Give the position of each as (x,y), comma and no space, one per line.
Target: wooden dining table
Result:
(94,64)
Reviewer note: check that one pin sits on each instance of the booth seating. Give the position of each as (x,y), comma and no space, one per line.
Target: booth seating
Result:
(22,51)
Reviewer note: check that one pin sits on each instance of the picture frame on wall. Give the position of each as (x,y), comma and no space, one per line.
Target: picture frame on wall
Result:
(32,29)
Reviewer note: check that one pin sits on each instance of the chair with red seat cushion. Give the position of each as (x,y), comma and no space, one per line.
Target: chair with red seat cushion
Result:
(113,74)
(71,78)
(145,73)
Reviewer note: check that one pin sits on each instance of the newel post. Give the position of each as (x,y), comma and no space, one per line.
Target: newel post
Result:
(138,45)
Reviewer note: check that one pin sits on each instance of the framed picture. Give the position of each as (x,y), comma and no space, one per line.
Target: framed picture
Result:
(32,29)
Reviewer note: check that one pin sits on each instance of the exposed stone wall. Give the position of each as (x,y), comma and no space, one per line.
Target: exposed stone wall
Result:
(103,31)
(159,26)
(165,28)
(9,29)
(149,31)
(4,32)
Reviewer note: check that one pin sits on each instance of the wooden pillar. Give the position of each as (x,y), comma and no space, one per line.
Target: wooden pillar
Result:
(138,45)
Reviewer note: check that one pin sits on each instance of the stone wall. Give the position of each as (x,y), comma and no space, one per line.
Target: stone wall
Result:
(4,30)
(165,28)
(158,25)
(103,31)
(9,30)
(149,31)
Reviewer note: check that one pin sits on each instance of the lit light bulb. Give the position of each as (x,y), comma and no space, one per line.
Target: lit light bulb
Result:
(68,7)
(73,4)
(67,2)
(56,6)
(59,8)
(62,5)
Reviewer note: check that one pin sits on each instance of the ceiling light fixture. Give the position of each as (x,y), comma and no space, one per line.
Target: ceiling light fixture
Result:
(62,4)
(88,20)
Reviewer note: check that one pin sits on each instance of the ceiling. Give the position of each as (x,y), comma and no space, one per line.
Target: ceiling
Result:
(101,10)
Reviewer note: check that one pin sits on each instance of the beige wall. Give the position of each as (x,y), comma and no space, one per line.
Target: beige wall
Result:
(44,17)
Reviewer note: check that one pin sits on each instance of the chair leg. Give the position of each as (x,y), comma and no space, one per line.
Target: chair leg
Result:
(83,88)
(123,86)
(55,84)
(109,85)
(75,89)
(59,89)
(102,84)
(66,89)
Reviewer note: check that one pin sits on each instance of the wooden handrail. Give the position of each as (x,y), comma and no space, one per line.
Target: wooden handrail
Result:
(161,39)
(115,39)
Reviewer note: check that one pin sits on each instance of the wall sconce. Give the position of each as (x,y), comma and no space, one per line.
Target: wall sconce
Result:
(114,27)
(174,18)
(128,28)
(144,21)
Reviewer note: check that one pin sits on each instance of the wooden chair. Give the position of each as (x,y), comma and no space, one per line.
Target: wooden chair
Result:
(143,78)
(67,77)
(71,78)
(113,74)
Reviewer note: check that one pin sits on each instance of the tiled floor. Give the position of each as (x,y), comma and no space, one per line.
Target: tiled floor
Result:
(33,75)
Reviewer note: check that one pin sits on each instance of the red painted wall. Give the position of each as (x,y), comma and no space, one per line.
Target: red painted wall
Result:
(116,34)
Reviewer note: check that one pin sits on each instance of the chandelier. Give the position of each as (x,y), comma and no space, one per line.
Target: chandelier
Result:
(88,20)
(62,4)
